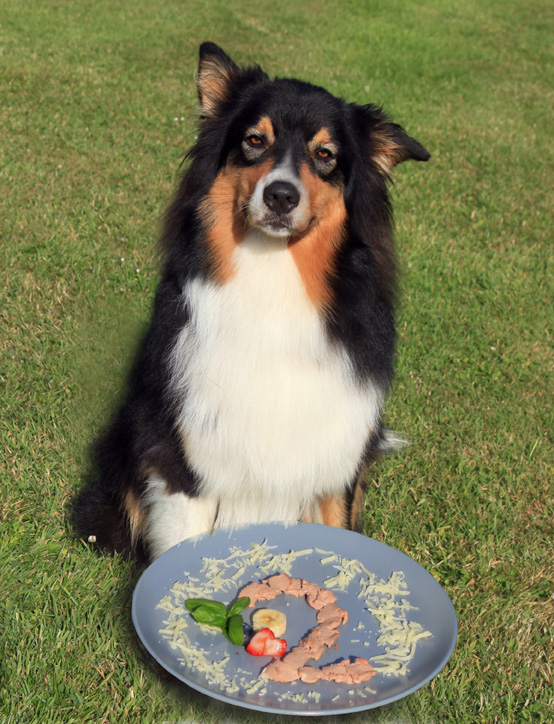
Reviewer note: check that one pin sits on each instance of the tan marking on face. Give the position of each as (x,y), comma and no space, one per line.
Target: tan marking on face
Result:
(218,210)
(265,127)
(314,251)
(223,211)
(321,138)
(135,513)
(333,510)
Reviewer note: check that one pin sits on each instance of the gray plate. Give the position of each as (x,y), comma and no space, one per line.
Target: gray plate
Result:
(433,610)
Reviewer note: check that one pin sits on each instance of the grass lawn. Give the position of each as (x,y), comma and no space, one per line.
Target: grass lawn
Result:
(97,105)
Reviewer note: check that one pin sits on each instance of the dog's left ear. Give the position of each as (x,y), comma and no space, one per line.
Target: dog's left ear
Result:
(216,74)
(391,145)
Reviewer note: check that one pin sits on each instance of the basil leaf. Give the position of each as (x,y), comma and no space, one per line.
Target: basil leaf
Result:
(205,614)
(214,613)
(235,632)
(239,605)
(217,607)
(192,603)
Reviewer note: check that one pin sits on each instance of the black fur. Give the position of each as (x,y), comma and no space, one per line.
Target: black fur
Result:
(143,434)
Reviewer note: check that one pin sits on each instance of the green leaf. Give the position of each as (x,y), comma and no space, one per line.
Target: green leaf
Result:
(192,603)
(206,614)
(217,607)
(235,632)
(214,613)
(239,605)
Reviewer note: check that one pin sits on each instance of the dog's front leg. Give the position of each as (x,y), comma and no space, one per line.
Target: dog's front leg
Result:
(340,510)
(174,517)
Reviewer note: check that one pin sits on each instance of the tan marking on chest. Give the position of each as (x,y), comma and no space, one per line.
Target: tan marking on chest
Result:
(314,252)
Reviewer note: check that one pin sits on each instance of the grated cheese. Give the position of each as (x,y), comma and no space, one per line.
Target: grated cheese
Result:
(282,562)
(386,600)
(397,636)
(348,569)
(239,574)
(257,685)
(339,582)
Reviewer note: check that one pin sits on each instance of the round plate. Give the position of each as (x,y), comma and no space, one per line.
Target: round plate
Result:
(429,607)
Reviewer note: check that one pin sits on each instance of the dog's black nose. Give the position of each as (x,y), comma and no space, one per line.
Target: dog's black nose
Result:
(281,197)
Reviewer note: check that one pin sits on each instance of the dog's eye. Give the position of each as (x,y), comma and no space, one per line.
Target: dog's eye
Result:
(324,154)
(325,159)
(255,141)
(254,145)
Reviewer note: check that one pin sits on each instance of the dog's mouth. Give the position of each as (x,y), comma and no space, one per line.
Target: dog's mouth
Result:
(279,228)
(275,225)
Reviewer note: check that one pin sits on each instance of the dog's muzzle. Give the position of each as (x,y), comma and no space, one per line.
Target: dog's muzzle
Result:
(280,204)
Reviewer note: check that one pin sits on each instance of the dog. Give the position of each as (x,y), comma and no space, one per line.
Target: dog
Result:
(258,390)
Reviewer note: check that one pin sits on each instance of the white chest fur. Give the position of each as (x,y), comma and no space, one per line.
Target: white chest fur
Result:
(270,413)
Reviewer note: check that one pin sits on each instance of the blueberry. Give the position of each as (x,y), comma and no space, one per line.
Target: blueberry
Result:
(248,632)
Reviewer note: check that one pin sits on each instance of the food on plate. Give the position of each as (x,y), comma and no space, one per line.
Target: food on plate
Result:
(269,618)
(343,672)
(215,613)
(386,600)
(316,596)
(293,666)
(264,643)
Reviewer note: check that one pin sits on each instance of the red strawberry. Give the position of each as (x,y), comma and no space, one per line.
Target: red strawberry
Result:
(275,647)
(264,643)
(256,645)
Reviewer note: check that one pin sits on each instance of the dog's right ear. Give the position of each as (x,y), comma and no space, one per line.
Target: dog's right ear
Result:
(216,74)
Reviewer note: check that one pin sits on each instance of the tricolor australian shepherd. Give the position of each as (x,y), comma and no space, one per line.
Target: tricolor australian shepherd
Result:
(258,391)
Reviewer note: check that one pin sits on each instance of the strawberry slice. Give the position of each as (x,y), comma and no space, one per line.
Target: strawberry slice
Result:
(264,643)
(256,645)
(275,647)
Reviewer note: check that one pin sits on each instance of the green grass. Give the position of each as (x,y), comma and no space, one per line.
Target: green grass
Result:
(91,100)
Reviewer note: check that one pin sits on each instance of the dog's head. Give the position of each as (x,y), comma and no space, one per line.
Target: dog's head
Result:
(289,159)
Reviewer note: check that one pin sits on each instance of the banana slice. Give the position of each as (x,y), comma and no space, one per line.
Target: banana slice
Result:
(269,618)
